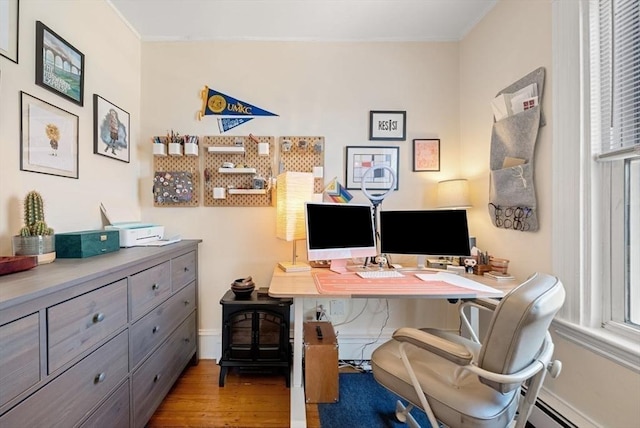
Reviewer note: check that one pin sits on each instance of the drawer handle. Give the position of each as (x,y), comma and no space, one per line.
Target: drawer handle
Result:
(155,286)
(156,378)
(156,329)
(99,378)
(99,317)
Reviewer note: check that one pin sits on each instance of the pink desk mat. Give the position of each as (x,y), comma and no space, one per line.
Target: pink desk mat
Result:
(352,284)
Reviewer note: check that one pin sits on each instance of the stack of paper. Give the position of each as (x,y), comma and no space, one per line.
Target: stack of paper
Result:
(505,105)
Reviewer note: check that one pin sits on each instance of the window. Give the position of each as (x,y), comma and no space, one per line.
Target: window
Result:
(596,167)
(615,137)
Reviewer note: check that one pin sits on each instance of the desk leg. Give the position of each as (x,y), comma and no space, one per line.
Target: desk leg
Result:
(297,400)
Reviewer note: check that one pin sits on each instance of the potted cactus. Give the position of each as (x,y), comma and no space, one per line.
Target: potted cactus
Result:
(35,237)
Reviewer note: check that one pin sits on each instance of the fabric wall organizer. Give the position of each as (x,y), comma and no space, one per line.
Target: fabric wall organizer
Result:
(518,117)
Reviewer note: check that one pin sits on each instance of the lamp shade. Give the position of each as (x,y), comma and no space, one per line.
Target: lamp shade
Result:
(293,190)
(453,194)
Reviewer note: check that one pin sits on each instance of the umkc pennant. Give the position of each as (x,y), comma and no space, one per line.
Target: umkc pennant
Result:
(219,104)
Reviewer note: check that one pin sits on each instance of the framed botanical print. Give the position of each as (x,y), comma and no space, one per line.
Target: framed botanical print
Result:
(111,135)
(426,155)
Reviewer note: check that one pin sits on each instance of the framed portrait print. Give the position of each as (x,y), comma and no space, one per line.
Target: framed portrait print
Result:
(9,19)
(59,66)
(361,158)
(388,125)
(110,130)
(48,138)
(426,155)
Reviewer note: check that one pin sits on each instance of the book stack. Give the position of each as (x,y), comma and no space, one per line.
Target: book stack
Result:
(499,275)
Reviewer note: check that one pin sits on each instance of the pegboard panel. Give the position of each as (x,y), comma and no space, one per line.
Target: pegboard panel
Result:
(301,154)
(179,163)
(240,178)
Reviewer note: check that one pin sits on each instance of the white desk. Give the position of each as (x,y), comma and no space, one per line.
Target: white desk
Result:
(299,286)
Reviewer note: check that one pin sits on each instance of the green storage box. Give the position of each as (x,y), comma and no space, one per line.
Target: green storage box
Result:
(86,243)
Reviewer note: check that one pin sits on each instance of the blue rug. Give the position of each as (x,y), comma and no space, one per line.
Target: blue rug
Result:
(363,402)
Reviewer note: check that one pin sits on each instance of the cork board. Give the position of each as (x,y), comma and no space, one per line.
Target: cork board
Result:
(179,163)
(301,154)
(237,184)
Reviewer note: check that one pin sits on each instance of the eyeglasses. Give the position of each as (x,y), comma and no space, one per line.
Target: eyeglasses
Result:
(511,217)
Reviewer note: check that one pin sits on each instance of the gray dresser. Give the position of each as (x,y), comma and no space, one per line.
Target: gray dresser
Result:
(99,341)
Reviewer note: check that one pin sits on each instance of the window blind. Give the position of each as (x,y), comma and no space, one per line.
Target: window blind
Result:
(618,25)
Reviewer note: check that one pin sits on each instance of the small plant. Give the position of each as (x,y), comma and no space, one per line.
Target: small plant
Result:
(34,223)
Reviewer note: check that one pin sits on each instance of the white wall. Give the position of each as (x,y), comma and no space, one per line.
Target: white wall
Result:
(512,40)
(322,89)
(112,70)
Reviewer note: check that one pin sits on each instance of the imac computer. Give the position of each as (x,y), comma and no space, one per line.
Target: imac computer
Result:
(424,233)
(339,232)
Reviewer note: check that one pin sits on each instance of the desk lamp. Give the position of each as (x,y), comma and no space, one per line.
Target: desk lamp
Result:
(293,190)
(453,194)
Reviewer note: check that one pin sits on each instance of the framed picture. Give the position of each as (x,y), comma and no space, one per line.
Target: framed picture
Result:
(388,125)
(9,18)
(360,158)
(426,155)
(110,130)
(48,138)
(59,66)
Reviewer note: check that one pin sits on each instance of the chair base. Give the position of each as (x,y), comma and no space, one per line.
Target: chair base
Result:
(403,415)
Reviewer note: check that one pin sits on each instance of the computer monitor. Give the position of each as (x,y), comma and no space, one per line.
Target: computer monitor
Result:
(339,232)
(424,233)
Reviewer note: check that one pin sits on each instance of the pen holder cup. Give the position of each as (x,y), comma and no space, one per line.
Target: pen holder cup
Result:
(481,269)
(175,149)
(159,149)
(499,265)
(190,149)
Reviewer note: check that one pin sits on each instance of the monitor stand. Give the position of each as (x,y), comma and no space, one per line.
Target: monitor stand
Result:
(339,265)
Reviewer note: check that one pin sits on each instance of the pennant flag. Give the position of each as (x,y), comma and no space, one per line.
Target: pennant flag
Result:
(219,104)
(227,123)
(336,192)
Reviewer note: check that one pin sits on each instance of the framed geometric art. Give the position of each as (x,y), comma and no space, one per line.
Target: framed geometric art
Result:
(9,19)
(426,155)
(361,158)
(59,66)
(111,135)
(48,138)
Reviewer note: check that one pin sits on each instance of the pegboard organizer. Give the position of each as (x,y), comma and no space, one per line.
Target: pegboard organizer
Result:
(179,163)
(302,154)
(237,181)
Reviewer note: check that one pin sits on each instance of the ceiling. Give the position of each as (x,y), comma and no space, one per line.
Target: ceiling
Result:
(302,20)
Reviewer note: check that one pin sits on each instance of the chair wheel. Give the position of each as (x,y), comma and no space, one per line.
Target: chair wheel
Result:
(401,412)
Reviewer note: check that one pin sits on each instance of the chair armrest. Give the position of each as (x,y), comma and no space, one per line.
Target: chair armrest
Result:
(453,352)
(482,303)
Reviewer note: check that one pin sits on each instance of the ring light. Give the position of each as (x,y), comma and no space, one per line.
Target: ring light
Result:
(380,197)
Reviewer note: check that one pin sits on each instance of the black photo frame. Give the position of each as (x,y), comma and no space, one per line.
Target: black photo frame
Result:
(387,125)
(111,130)
(59,65)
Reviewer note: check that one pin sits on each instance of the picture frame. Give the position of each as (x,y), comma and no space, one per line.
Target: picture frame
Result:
(9,26)
(59,66)
(426,154)
(48,138)
(387,125)
(111,130)
(361,158)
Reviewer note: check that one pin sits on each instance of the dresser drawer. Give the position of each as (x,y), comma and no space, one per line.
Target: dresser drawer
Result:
(154,327)
(64,401)
(155,377)
(183,270)
(149,288)
(19,357)
(114,412)
(80,323)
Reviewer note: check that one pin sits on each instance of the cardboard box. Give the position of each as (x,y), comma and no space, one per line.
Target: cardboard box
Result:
(320,363)
(86,243)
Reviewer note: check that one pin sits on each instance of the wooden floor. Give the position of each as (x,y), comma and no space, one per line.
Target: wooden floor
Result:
(246,401)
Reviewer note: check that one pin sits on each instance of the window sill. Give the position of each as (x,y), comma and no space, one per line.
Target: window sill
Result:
(620,350)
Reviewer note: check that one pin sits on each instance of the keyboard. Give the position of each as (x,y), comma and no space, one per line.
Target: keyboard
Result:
(377,274)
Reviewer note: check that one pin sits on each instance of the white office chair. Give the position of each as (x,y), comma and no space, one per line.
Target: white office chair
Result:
(460,382)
